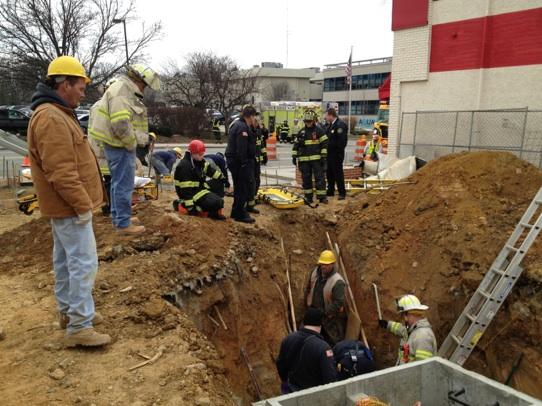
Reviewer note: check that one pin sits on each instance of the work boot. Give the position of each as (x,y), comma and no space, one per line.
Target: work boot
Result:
(323,200)
(307,202)
(131,230)
(63,320)
(87,337)
(252,209)
(342,197)
(329,193)
(135,221)
(247,220)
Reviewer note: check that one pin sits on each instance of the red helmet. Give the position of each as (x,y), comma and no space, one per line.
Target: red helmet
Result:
(196,147)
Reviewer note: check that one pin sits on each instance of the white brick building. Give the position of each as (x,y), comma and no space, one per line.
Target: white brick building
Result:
(465,55)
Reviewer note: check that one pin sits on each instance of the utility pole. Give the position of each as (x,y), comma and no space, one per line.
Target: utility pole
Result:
(287,34)
(123,21)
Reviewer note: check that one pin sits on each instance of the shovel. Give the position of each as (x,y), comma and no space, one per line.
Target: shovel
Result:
(377,301)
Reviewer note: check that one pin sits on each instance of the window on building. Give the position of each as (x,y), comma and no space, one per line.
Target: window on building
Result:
(360,107)
(340,83)
(369,81)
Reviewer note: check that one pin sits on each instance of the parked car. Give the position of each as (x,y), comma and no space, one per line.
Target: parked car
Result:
(83,121)
(14,121)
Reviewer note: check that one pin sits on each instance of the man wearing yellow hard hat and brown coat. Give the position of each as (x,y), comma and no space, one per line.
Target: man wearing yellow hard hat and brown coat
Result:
(69,187)
(325,291)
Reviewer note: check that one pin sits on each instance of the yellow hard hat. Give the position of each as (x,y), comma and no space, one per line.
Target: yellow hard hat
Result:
(327,257)
(67,66)
(178,150)
(409,302)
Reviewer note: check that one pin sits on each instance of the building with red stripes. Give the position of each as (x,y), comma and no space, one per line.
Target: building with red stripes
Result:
(465,55)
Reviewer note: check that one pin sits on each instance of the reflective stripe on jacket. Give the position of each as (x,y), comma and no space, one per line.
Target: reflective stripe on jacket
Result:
(261,145)
(417,343)
(98,148)
(310,144)
(119,118)
(190,179)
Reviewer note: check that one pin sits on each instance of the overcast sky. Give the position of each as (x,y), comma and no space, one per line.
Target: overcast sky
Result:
(319,31)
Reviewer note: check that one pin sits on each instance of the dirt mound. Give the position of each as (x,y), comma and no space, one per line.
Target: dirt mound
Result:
(436,238)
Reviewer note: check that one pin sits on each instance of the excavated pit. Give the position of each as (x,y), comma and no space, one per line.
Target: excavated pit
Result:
(435,237)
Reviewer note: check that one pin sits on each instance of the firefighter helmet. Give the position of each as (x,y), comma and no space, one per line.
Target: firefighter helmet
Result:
(196,147)
(409,302)
(146,75)
(310,115)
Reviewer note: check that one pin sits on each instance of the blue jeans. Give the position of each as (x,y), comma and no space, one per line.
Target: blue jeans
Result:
(75,263)
(122,167)
(159,166)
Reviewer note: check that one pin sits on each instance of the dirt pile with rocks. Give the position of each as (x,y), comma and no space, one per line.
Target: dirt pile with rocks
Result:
(165,291)
(436,238)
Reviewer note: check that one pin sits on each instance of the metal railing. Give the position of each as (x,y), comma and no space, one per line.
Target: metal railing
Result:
(431,134)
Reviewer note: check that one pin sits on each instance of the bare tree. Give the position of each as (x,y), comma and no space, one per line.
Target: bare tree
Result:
(210,81)
(33,32)
(279,91)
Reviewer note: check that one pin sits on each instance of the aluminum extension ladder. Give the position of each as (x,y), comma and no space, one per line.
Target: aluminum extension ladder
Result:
(494,288)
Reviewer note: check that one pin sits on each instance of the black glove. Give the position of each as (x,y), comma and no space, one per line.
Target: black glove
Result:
(382,323)
(264,159)
(192,210)
(294,160)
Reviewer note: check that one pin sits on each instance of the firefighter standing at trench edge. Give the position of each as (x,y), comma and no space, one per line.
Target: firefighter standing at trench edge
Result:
(310,150)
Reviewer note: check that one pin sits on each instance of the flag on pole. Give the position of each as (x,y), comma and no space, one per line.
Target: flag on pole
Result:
(348,69)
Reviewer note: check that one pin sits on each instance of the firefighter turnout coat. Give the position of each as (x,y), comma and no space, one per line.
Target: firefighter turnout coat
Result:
(310,144)
(418,341)
(190,180)
(119,118)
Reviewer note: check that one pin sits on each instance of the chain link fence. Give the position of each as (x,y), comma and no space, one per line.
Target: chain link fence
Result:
(431,134)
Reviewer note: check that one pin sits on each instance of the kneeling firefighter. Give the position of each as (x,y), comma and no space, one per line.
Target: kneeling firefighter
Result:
(191,186)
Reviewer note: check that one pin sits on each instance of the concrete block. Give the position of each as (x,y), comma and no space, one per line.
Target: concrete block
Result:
(430,381)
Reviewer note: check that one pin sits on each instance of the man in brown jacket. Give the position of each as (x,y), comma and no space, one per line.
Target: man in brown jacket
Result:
(69,188)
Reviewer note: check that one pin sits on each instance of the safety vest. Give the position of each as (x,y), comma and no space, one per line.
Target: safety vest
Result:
(372,147)
(328,287)
(119,118)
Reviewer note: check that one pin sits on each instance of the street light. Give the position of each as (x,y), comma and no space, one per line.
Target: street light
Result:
(123,21)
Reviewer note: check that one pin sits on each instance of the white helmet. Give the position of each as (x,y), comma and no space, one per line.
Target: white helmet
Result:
(409,302)
(146,75)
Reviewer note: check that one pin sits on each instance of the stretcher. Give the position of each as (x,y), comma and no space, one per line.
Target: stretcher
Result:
(144,190)
(280,198)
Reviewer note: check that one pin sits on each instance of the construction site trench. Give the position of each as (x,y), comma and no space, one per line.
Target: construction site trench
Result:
(195,292)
